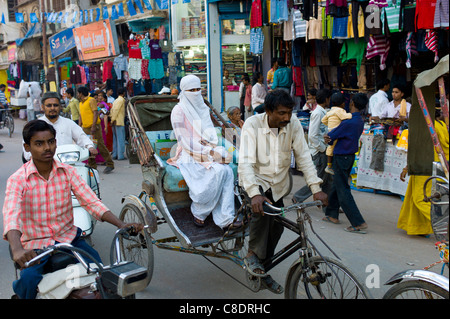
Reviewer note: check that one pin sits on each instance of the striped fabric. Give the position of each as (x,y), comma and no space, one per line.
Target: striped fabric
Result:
(411,48)
(441,14)
(378,45)
(391,16)
(299,25)
(431,43)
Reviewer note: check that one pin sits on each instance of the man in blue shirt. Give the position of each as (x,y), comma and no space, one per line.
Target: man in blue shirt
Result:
(347,135)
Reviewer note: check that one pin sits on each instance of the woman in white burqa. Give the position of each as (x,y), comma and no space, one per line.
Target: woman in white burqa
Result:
(203,165)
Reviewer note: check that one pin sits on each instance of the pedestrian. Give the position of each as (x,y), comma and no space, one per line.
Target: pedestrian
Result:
(247,97)
(282,77)
(109,96)
(67,131)
(242,87)
(317,145)
(73,107)
(91,126)
(415,214)
(264,162)
(311,101)
(117,116)
(259,92)
(3,102)
(271,72)
(378,101)
(347,135)
(30,107)
(332,119)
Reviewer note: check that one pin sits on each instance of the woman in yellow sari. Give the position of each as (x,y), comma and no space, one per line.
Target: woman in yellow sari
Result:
(415,213)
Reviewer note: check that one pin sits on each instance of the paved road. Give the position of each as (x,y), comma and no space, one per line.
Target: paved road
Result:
(374,257)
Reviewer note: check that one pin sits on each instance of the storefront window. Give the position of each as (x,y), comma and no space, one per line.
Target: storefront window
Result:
(235,26)
(190,19)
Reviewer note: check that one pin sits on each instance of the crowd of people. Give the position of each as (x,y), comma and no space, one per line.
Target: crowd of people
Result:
(269,140)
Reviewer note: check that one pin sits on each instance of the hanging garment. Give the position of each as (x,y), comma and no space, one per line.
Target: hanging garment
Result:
(134,69)
(390,17)
(378,45)
(144,69)
(288,27)
(134,50)
(441,14)
(432,43)
(120,64)
(155,49)
(353,51)
(107,70)
(299,25)
(256,14)
(425,12)
(145,49)
(256,41)
(156,68)
(340,26)
(410,48)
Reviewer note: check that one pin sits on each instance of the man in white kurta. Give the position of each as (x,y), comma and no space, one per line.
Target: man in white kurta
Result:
(203,165)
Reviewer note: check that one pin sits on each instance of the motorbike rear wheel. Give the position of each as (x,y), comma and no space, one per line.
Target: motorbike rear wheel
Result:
(138,249)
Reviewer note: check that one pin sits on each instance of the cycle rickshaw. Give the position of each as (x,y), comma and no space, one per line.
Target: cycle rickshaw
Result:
(7,121)
(164,200)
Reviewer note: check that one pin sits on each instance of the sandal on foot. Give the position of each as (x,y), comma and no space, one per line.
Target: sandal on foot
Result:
(199,222)
(253,264)
(328,220)
(355,230)
(271,285)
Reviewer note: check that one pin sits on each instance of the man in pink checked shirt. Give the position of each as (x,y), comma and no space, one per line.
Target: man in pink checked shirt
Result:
(37,211)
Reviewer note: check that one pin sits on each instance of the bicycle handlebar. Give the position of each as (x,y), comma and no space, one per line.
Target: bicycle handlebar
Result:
(291,207)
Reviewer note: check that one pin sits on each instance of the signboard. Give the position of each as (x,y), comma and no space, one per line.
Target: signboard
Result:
(96,40)
(12,52)
(61,42)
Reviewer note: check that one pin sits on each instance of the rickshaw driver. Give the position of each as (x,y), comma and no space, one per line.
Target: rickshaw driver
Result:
(264,161)
(201,162)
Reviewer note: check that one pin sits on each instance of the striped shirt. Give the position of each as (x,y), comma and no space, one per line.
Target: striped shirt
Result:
(42,209)
(3,100)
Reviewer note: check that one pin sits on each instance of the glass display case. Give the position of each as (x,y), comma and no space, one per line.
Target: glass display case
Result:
(195,63)
(189,20)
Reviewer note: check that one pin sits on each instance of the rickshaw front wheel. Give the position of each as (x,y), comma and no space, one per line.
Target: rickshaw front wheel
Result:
(138,249)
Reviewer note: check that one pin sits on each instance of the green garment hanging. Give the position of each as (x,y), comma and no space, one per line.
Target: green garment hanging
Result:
(351,50)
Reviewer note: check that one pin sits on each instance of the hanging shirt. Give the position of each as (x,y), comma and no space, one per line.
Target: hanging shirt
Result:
(145,49)
(120,64)
(256,14)
(107,70)
(134,50)
(155,49)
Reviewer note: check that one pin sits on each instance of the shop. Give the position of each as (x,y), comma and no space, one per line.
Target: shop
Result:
(349,46)
(189,36)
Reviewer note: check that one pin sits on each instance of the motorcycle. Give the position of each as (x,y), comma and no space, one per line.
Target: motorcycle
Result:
(64,278)
(74,155)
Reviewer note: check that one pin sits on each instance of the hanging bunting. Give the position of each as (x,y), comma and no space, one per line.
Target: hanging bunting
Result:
(98,14)
(3,18)
(81,16)
(60,16)
(131,8)
(147,4)
(33,18)
(105,13)
(139,5)
(86,16)
(74,16)
(120,10)
(91,15)
(174,1)
(19,17)
(114,14)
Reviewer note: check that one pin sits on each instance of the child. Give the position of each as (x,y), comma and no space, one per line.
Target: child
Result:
(332,119)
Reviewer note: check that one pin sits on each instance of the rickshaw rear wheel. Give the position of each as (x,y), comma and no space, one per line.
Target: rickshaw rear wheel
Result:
(138,249)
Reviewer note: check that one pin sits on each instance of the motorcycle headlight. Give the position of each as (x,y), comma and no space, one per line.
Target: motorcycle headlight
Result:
(69,157)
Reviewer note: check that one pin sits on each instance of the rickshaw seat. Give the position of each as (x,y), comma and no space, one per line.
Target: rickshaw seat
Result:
(173,181)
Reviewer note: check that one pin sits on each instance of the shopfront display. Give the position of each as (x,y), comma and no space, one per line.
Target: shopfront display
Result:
(195,63)
(189,20)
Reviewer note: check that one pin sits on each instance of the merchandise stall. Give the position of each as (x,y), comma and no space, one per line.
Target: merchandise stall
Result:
(329,44)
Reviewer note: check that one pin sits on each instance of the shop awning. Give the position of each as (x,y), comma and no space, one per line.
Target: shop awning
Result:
(35,29)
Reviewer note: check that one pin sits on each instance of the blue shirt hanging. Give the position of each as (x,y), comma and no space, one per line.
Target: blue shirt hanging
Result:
(147,4)
(33,18)
(98,14)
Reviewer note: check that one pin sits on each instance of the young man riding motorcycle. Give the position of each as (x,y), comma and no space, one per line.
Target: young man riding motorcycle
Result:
(67,130)
(37,210)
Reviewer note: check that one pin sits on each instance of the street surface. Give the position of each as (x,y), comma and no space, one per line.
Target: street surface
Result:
(373,257)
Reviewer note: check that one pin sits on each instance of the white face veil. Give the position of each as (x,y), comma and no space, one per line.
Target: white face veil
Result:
(195,109)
